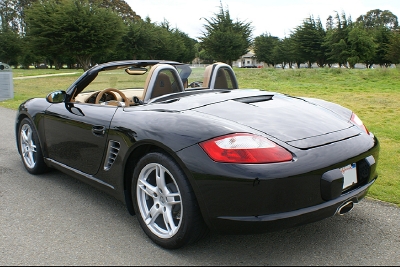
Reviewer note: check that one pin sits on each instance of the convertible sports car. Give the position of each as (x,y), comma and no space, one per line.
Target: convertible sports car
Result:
(189,154)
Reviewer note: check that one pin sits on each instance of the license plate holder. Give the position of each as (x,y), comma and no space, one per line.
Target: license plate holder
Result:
(350,175)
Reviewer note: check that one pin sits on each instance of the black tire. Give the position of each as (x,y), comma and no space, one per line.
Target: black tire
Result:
(30,149)
(174,225)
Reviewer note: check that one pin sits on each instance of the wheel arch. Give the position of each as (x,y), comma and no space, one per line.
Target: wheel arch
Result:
(33,109)
(133,158)
(39,164)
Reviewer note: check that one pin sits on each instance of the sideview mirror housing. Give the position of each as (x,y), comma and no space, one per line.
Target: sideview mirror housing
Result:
(56,97)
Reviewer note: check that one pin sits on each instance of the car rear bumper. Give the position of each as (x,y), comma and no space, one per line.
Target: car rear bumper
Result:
(273,222)
(241,199)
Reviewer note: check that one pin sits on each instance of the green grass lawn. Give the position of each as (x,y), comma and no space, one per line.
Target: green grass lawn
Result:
(374,94)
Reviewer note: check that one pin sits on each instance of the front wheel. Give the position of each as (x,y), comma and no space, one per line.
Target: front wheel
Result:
(164,202)
(30,149)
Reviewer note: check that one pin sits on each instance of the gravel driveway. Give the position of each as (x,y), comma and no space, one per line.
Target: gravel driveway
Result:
(53,219)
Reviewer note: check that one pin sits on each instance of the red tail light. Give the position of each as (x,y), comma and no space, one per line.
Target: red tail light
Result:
(245,148)
(356,120)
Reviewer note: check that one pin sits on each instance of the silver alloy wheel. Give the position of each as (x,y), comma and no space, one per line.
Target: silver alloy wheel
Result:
(28,147)
(159,200)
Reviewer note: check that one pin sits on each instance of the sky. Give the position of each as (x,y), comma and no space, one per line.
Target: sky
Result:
(275,17)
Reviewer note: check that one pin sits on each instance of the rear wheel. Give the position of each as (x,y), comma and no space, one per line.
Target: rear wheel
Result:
(164,202)
(30,149)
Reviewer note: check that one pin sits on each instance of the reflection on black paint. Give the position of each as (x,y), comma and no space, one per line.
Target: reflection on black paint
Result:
(71,149)
(74,110)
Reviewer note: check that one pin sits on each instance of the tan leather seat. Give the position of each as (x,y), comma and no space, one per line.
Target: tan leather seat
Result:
(221,81)
(162,86)
(207,76)
(148,78)
(162,79)
(219,76)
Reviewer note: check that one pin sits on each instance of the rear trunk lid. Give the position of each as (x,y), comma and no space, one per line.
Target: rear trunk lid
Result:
(292,120)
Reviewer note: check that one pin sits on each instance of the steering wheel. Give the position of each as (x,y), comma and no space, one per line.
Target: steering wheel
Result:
(100,94)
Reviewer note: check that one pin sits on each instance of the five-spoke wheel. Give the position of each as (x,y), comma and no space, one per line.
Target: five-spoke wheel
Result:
(29,148)
(159,200)
(165,203)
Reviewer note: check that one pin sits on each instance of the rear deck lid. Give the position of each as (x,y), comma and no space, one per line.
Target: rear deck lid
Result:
(291,120)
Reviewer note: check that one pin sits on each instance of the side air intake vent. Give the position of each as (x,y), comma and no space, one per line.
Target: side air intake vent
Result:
(112,153)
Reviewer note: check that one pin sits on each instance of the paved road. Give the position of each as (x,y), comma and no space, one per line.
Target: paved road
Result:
(54,219)
(44,75)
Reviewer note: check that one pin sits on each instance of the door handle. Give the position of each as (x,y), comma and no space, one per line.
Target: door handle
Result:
(98,130)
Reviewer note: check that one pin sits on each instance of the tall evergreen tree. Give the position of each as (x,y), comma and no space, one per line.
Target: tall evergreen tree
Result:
(74,28)
(380,24)
(263,48)
(9,46)
(393,48)
(225,40)
(43,33)
(382,37)
(309,38)
(288,51)
(336,40)
(187,52)
(362,47)
(147,40)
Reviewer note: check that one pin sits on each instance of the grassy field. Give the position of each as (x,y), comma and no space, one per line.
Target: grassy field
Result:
(374,94)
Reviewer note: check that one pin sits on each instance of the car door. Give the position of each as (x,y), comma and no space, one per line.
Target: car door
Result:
(76,134)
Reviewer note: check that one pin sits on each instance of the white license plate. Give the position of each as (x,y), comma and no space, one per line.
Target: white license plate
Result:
(350,175)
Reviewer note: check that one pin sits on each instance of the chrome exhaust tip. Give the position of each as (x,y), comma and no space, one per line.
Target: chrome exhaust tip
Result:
(345,208)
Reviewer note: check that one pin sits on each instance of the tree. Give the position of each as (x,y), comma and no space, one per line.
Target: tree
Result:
(9,46)
(309,39)
(287,49)
(9,15)
(278,55)
(120,7)
(382,38)
(147,40)
(174,44)
(73,27)
(336,40)
(202,54)
(362,47)
(43,33)
(187,51)
(224,39)
(377,17)
(264,46)
(140,39)
(379,24)
(28,55)
(12,12)
(393,49)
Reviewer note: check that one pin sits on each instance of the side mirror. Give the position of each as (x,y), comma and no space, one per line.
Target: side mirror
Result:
(56,97)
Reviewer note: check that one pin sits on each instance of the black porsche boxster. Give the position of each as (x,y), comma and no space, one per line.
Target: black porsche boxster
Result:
(188,152)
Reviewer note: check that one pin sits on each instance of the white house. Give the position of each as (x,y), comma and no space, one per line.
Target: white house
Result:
(248,61)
